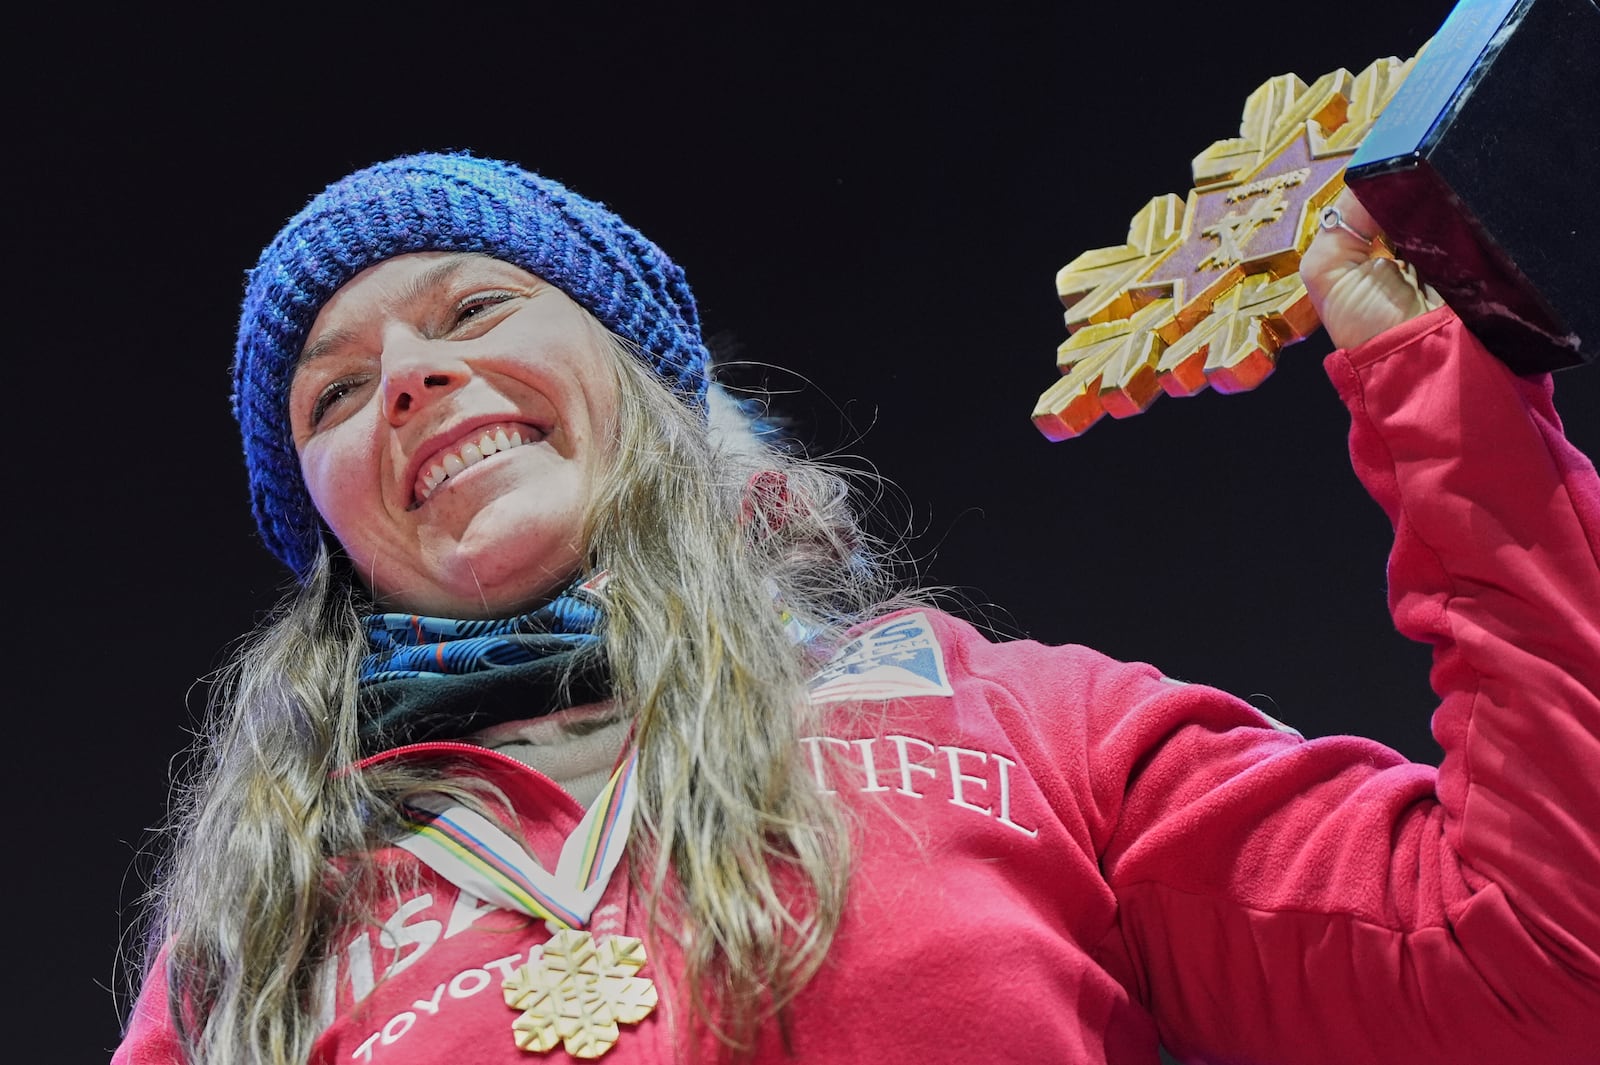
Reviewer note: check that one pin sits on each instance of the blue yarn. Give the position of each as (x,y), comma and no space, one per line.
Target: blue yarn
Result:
(437,202)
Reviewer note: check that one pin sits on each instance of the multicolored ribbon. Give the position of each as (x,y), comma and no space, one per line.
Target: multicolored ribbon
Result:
(480,858)
(464,847)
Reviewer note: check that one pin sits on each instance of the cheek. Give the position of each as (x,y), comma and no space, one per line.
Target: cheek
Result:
(604,395)
(320,472)
(333,478)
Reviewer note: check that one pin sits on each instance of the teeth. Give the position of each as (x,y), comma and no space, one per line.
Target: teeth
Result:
(475,452)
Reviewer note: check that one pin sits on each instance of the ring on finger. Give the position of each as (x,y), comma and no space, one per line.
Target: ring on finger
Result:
(1333,219)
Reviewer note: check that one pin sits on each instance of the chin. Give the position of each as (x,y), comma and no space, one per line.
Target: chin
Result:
(499,582)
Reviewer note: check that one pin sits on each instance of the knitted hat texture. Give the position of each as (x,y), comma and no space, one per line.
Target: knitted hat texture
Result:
(437,202)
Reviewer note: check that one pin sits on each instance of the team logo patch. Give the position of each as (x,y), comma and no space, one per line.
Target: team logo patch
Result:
(900,657)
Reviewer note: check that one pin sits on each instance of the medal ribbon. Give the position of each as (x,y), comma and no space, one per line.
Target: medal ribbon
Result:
(479,857)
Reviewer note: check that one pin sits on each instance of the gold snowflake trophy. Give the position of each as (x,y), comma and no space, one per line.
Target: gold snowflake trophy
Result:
(1206,291)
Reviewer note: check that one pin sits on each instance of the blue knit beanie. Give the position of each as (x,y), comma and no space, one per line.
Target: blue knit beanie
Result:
(437,203)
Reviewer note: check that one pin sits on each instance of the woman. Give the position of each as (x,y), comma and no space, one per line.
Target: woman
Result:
(773,811)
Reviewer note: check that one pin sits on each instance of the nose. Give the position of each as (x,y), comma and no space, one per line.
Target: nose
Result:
(418,371)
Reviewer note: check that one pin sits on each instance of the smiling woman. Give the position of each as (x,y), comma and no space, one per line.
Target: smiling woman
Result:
(453,415)
(597,724)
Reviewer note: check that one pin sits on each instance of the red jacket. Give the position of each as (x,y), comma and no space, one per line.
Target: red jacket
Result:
(1066,858)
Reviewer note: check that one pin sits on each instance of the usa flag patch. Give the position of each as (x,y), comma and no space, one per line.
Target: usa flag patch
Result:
(897,658)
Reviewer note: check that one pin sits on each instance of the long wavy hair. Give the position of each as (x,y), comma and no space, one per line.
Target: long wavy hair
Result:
(744,865)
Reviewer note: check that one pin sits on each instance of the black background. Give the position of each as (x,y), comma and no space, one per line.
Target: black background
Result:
(875,200)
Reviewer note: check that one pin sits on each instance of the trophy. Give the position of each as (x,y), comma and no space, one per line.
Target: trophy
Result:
(1484,172)
(1473,155)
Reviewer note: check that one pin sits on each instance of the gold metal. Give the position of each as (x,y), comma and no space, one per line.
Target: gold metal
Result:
(1206,291)
(1097,285)
(577,992)
(1236,347)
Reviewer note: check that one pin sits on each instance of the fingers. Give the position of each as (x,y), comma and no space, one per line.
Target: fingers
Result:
(1346,236)
(1357,288)
(1332,253)
(1355,215)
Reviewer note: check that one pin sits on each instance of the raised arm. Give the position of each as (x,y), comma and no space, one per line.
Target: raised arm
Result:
(1327,901)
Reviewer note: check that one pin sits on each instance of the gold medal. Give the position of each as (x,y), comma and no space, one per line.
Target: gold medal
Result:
(577,992)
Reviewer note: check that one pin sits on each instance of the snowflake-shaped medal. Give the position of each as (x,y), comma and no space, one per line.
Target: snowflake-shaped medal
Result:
(577,992)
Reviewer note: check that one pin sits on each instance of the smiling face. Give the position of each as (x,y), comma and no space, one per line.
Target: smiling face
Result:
(453,414)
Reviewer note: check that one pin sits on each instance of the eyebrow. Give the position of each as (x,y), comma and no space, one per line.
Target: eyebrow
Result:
(417,290)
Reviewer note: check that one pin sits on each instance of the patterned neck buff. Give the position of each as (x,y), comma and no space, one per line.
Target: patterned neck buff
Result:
(436,678)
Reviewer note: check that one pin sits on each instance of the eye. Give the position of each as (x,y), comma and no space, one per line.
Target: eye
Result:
(477,304)
(333,393)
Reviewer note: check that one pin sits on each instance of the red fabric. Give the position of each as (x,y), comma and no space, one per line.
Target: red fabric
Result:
(1067,857)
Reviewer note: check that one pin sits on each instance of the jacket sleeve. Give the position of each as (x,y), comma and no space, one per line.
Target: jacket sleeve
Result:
(1327,901)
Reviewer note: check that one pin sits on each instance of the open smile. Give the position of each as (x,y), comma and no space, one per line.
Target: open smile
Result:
(471,449)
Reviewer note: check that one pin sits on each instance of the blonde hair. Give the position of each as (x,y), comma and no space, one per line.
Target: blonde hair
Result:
(743,863)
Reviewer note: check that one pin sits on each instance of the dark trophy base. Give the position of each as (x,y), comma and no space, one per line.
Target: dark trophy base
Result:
(1484,173)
